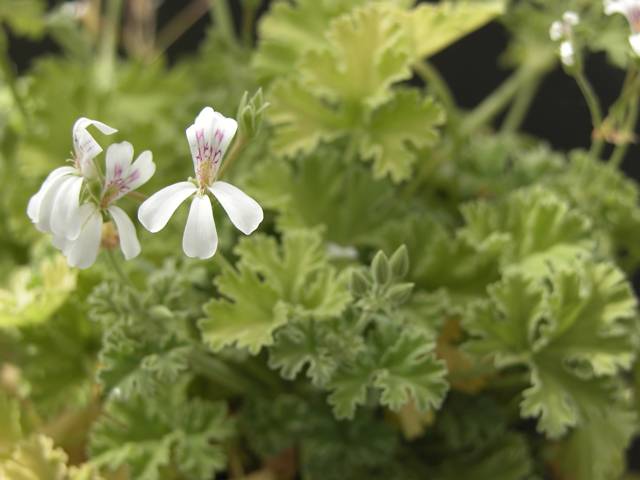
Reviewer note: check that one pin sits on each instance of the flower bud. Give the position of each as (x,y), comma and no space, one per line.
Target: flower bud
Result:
(359,283)
(400,262)
(380,269)
(400,293)
(250,113)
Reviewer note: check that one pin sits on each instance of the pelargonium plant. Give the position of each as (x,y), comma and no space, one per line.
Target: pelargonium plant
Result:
(361,279)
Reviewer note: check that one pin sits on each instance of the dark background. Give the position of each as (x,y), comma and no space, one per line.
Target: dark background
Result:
(558,114)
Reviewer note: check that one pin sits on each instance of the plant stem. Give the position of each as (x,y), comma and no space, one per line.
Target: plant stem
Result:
(430,75)
(223,19)
(105,67)
(116,267)
(594,109)
(518,111)
(222,374)
(180,24)
(497,101)
(236,149)
(621,150)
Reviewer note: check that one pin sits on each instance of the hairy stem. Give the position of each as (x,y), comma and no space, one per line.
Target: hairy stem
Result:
(116,267)
(518,111)
(180,24)
(105,67)
(431,76)
(233,155)
(9,74)
(594,109)
(224,19)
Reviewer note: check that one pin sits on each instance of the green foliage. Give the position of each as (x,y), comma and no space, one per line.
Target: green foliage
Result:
(161,436)
(430,295)
(291,280)
(574,334)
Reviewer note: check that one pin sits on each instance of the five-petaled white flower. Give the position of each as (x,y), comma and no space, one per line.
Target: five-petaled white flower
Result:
(208,137)
(562,30)
(55,207)
(121,177)
(631,10)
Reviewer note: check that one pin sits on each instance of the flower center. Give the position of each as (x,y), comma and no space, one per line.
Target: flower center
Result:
(208,157)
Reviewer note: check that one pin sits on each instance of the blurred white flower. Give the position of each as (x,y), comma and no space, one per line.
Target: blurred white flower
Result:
(121,177)
(209,137)
(631,10)
(60,192)
(562,30)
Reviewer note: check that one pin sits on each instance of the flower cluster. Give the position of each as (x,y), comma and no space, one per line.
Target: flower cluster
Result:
(74,201)
(562,31)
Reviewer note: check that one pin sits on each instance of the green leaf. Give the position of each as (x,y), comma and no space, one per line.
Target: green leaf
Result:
(405,119)
(573,329)
(596,451)
(302,120)
(161,432)
(435,27)
(290,30)
(401,364)
(25,17)
(35,459)
(368,51)
(307,192)
(529,227)
(36,293)
(270,284)
(10,427)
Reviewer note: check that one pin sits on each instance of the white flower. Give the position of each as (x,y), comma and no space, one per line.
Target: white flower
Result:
(631,10)
(562,30)
(60,192)
(208,137)
(121,178)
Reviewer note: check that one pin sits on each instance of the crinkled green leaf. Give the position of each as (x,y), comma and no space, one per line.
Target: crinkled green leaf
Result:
(400,364)
(308,193)
(271,283)
(405,121)
(288,31)
(166,432)
(529,226)
(302,120)
(574,333)
(34,294)
(435,27)
(368,51)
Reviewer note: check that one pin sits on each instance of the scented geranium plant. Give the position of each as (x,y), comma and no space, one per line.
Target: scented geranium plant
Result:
(291,254)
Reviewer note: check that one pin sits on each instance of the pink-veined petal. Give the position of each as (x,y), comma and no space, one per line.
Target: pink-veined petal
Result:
(83,251)
(119,158)
(129,243)
(33,208)
(141,171)
(200,239)
(243,211)
(65,219)
(156,211)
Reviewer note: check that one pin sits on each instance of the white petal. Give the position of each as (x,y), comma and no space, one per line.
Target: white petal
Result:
(47,203)
(129,243)
(156,211)
(119,157)
(616,6)
(85,146)
(200,239)
(83,251)
(634,40)
(65,220)
(571,18)
(33,208)
(210,136)
(141,170)
(567,53)
(244,212)
(556,32)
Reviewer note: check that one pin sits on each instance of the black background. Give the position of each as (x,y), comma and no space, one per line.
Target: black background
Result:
(558,113)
